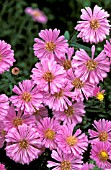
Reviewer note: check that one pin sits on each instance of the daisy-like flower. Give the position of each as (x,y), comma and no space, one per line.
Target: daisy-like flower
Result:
(101,154)
(2,166)
(14,119)
(103,131)
(80,87)
(27,96)
(94,26)
(64,161)
(4,106)
(59,100)
(48,75)
(3,132)
(6,56)
(98,93)
(72,115)
(50,44)
(66,60)
(47,129)
(37,15)
(22,144)
(71,143)
(107,48)
(40,113)
(92,69)
(87,166)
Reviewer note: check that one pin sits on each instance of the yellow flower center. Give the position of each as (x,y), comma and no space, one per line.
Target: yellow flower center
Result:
(70,111)
(103,155)
(48,76)
(36,14)
(17,121)
(26,96)
(50,134)
(50,46)
(23,144)
(71,140)
(0,57)
(65,165)
(103,136)
(77,83)
(3,133)
(100,96)
(67,64)
(59,95)
(91,64)
(94,24)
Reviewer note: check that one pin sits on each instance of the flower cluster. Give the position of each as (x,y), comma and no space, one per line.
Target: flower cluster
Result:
(60,82)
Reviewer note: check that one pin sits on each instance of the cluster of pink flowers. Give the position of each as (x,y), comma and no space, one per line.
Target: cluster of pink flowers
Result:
(61,81)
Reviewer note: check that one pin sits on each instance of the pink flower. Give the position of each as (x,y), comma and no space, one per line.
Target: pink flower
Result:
(22,144)
(2,166)
(91,69)
(49,76)
(59,100)
(107,48)
(80,88)
(71,143)
(72,115)
(14,119)
(51,45)
(103,131)
(37,15)
(27,96)
(3,132)
(40,113)
(94,25)
(6,56)
(87,166)
(101,154)
(66,60)
(64,161)
(99,94)
(47,129)
(4,105)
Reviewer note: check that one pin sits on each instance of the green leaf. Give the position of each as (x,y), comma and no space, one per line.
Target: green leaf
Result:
(67,35)
(77,45)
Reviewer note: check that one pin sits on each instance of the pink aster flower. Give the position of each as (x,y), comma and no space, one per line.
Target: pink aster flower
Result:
(47,129)
(87,166)
(48,75)
(40,113)
(107,48)
(59,100)
(94,26)
(91,69)
(103,131)
(81,89)
(64,161)
(27,96)
(101,154)
(2,166)
(4,105)
(50,44)
(14,119)
(71,143)
(72,115)
(22,144)
(98,93)
(3,132)
(66,60)
(37,15)
(6,56)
